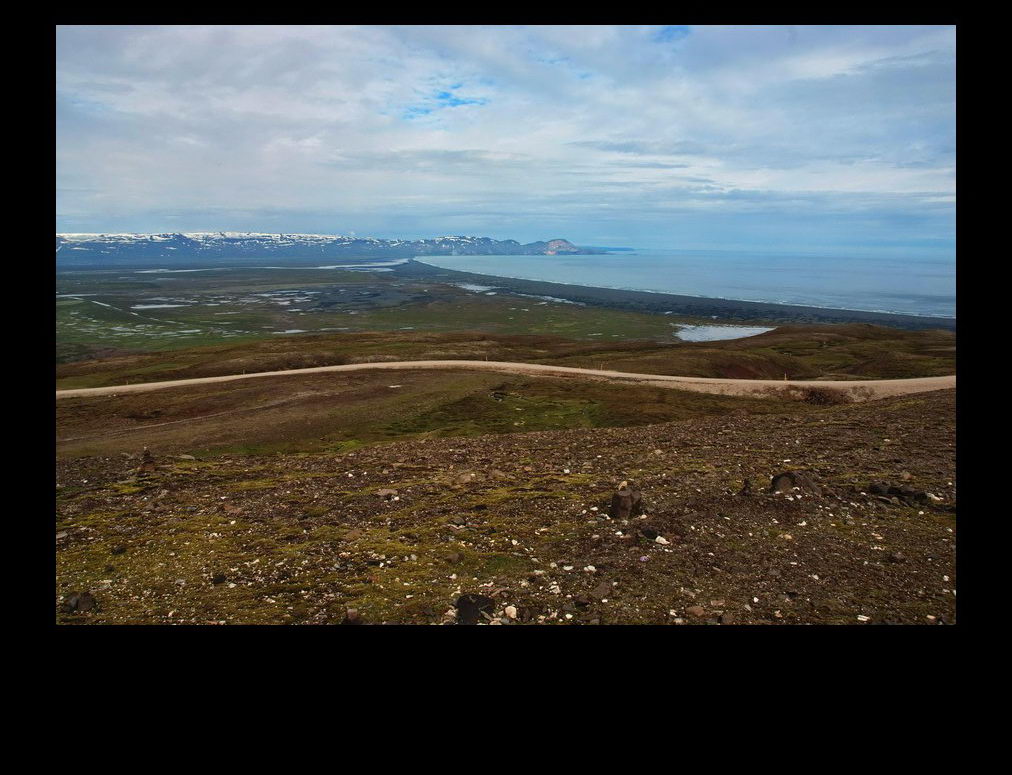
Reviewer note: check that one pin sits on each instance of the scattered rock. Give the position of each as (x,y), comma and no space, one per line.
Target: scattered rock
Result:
(897,492)
(897,557)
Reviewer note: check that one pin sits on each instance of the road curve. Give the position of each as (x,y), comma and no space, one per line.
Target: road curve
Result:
(860,390)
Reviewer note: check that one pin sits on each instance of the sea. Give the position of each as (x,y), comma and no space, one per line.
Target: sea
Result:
(908,285)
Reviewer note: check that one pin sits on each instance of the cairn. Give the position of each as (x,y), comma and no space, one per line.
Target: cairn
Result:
(147,465)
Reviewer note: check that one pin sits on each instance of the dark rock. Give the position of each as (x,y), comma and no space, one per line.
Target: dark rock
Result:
(218,579)
(746,488)
(601,591)
(79,602)
(471,607)
(725,619)
(582,601)
(118,550)
(897,492)
(649,533)
(897,557)
(788,480)
(625,503)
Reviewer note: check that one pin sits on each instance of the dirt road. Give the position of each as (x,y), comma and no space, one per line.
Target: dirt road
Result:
(859,390)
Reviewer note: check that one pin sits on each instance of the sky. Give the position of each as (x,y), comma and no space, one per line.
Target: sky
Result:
(829,139)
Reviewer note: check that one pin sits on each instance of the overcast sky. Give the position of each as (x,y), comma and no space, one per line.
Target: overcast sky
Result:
(830,139)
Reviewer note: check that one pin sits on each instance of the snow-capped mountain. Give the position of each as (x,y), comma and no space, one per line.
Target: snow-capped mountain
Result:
(126,247)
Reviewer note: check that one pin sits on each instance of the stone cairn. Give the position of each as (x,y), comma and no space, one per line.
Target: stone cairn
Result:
(147,465)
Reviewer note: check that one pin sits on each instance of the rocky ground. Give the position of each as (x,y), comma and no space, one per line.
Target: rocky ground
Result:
(520,528)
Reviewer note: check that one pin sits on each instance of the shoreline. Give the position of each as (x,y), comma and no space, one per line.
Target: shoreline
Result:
(725,310)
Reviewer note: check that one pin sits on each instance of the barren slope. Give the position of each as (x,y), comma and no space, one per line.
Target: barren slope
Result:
(520,518)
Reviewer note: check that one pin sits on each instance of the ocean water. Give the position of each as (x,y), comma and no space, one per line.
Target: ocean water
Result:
(909,285)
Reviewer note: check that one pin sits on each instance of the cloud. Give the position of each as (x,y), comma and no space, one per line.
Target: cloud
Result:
(506,129)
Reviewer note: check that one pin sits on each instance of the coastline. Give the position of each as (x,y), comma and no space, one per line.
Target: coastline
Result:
(724,310)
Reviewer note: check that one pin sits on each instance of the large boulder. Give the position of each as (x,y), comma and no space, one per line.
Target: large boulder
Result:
(79,602)
(471,607)
(788,480)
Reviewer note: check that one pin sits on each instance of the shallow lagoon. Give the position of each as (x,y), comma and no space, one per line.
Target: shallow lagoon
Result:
(717,333)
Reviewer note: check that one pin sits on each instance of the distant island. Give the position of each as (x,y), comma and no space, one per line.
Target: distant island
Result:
(123,248)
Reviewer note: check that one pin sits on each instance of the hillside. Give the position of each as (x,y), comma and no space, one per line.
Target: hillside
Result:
(405,532)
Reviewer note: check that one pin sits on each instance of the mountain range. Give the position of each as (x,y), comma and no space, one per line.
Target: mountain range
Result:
(88,248)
